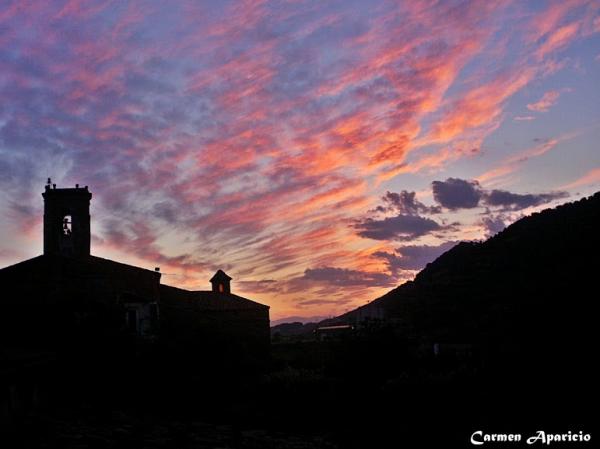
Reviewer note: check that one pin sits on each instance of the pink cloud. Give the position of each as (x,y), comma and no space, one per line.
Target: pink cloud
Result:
(250,136)
(515,162)
(558,39)
(545,103)
(590,178)
(480,107)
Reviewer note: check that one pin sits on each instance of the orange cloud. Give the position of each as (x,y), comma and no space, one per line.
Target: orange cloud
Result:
(480,106)
(250,135)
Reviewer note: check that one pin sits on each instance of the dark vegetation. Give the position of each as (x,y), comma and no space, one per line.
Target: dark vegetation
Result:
(514,317)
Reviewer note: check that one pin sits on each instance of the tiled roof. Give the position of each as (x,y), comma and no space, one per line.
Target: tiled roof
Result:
(84,273)
(206,299)
(141,282)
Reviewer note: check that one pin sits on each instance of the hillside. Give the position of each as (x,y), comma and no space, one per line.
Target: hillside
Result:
(293,330)
(512,320)
(532,283)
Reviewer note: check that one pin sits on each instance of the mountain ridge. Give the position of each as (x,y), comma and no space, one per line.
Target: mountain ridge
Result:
(479,289)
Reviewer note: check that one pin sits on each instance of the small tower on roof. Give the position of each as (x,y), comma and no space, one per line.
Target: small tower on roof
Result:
(221,283)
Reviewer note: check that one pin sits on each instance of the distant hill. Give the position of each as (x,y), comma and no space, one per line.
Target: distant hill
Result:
(534,283)
(294,329)
(298,319)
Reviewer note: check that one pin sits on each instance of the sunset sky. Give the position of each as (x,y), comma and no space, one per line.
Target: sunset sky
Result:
(321,153)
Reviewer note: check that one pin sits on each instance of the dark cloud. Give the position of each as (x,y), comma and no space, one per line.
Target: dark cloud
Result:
(413,257)
(516,201)
(455,193)
(400,227)
(320,302)
(181,124)
(346,277)
(23,211)
(166,211)
(261,286)
(493,224)
(405,203)
(299,319)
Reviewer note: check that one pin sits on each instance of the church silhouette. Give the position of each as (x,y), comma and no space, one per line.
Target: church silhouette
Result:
(67,296)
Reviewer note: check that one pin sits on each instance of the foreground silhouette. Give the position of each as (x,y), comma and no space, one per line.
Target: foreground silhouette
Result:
(496,336)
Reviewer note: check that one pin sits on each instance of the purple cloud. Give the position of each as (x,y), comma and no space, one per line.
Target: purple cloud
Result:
(516,201)
(347,277)
(413,257)
(249,134)
(457,193)
(405,203)
(400,227)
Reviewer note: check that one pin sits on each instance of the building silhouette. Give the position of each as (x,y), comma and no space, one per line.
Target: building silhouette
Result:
(67,298)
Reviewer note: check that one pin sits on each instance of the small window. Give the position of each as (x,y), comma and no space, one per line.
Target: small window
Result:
(221,288)
(66,225)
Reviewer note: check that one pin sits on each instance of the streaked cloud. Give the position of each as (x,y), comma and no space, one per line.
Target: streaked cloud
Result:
(400,227)
(591,178)
(255,136)
(546,102)
(516,201)
(454,194)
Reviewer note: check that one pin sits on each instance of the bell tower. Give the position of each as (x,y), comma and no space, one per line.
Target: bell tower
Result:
(67,220)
